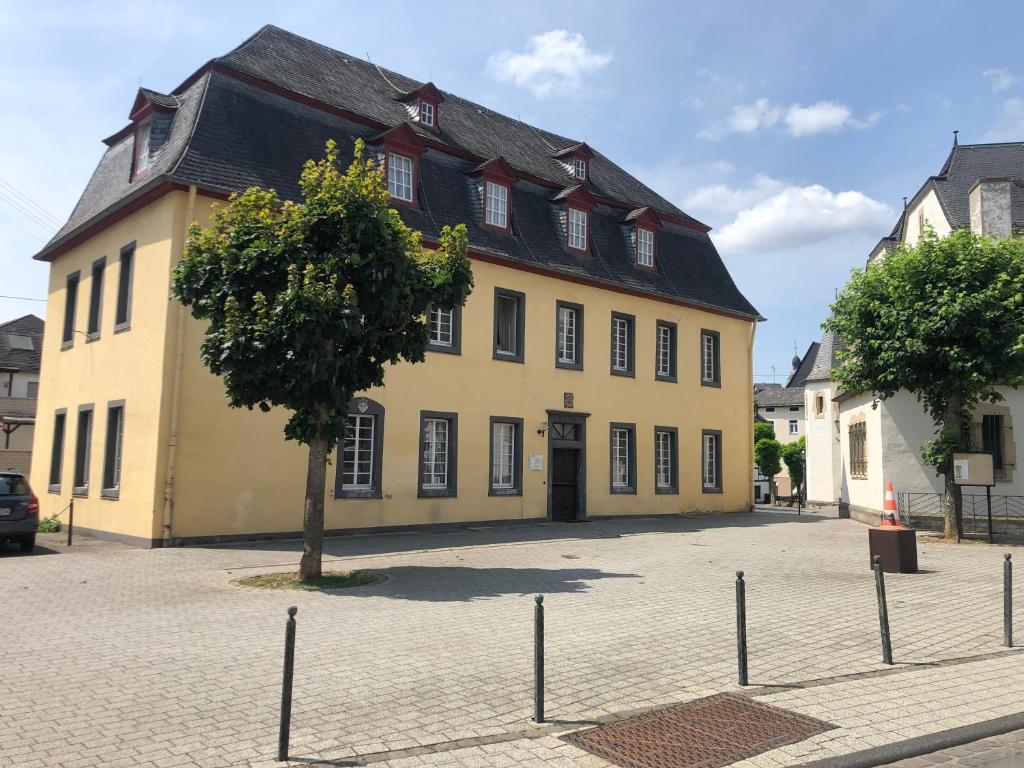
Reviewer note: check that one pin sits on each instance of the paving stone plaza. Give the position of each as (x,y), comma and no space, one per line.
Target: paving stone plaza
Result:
(130,657)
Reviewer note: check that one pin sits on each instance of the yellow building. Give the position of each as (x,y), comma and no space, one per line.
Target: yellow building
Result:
(602,365)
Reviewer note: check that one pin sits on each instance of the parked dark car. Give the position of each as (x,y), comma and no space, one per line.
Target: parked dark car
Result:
(19,511)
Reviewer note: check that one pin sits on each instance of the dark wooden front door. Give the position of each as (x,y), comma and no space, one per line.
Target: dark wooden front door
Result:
(564,484)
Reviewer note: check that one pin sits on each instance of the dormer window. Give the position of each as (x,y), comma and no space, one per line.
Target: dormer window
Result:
(575,160)
(641,229)
(400,177)
(427,114)
(644,247)
(581,168)
(401,148)
(496,204)
(577,230)
(142,147)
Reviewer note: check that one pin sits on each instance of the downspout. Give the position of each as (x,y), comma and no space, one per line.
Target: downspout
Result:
(750,435)
(179,358)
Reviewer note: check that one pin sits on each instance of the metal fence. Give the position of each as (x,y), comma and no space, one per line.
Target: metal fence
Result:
(925,510)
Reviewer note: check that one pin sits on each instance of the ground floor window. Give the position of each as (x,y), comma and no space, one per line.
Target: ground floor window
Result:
(83,451)
(666,463)
(57,450)
(992,438)
(113,450)
(623,457)
(506,456)
(858,449)
(711,461)
(360,463)
(438,458)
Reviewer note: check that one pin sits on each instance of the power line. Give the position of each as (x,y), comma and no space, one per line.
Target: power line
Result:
(20,298)
(16,224)
(30,202)
(27,212)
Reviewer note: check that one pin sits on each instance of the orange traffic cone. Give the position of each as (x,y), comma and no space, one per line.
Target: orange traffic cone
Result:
(890,515)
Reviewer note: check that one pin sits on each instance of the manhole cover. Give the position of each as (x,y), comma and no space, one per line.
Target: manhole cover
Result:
(707,733)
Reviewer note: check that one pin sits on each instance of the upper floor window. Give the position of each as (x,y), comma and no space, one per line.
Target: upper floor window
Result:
(569,335)
(858,449)
(580,168)
(427,114)
(644,247)
(441,327)
(509,324)
(142,147)
(70,307)
(819,404)
(126,271)
(622,344)
(92,330)
(665,351)
(577,229)
(496,205)
(710,369)
(400,177)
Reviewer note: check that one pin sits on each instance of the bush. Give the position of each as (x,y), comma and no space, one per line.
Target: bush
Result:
(49,525)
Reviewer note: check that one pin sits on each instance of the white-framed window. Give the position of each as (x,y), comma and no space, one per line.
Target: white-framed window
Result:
(427,114)
(496,204)
(435,454)
(711,461)
(663,460)
(503,455)
(142,147)
(794,427)
(508,324)
(621,333)
(644,247)
(621,458)
(400,177)
(580,168)
(577,229)
(357,452)
(442,324)
(709,370)
(665,352)
(567,335)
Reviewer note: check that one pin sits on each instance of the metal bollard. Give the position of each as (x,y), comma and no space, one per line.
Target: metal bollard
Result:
(71,519)
(538,660)
(1007,601)
(883,611)
(286,686)
(741,627)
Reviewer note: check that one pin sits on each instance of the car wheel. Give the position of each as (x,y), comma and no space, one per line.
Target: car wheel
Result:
(28,543)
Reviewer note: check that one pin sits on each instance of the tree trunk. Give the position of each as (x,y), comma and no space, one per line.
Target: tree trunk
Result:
(313,514)
(952,500)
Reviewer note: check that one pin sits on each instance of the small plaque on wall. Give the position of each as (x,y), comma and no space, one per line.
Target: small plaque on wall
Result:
(536,462)
(567,400)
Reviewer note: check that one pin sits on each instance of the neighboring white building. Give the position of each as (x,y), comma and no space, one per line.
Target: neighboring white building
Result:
(21,343)
(856,445)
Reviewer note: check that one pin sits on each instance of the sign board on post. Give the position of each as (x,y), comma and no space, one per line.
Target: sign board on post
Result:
(973,468)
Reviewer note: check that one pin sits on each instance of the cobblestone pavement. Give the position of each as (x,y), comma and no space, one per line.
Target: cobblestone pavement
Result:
(1005,751)
(153,658)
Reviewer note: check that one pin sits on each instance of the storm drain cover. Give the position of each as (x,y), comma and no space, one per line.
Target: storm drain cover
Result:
(706,733)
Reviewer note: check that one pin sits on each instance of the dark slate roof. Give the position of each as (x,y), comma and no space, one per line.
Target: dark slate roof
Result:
(780,396)
(159,99)
(228,134)
(799,376)
(825,358)
(21,359)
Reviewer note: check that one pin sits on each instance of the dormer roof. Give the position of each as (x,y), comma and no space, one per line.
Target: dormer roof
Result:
(146,100)
(644,217)
(402,135)
(577,195)
(427,92)
(496,167)
(580,150)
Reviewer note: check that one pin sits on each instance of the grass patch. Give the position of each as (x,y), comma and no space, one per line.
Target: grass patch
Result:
(327,580)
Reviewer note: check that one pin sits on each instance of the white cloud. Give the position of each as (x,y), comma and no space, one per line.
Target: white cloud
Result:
(553,62)
(1010,124)
(797,119)
(770,215)
(1000,79)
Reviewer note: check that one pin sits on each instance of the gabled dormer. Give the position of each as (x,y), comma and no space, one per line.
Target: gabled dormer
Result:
(576,204)
(424,105)
(642,225)
(494,180)
(151,115)
(576,160)
(401,150)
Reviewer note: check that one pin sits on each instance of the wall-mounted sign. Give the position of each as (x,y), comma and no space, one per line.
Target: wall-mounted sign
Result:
(536,462)
(567,400)
(973,469)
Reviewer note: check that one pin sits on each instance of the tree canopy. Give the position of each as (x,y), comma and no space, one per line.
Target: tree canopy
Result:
(767,454)
(794,458)
(763,430)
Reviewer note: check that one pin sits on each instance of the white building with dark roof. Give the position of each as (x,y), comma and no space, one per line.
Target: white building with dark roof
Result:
(21,345)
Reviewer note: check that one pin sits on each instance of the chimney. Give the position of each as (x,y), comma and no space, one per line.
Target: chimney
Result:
(990,207)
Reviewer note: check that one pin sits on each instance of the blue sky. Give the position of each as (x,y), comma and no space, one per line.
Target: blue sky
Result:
(792,128)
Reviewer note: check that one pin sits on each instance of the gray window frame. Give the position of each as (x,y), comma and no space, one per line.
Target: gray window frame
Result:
(673,487)
(94,320)
(107,490)
(517,457)
(83,461)
(578,309)
(57,450)
(717,347)
(71,285)
(630,371)
(630,489)
(451,491)
(673,328)
(456,346)
(125,288)
(520,298)
(718,461)
(375,409)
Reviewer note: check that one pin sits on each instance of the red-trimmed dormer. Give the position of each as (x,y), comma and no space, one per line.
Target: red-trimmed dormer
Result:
(578,205)
(494,184)
(402,150)
(576,160)
(644,224)
(423,105)
(151,117)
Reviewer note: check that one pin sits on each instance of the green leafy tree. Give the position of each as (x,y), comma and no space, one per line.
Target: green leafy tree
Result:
(793,457)
(943,320)
(767,454)
(308,302)
(763,430)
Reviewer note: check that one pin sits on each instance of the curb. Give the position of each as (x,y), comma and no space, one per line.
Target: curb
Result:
(922,745)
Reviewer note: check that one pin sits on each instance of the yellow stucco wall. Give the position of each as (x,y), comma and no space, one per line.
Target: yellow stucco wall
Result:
(235,474)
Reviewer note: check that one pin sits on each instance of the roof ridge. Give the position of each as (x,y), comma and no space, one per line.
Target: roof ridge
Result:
(19,319)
